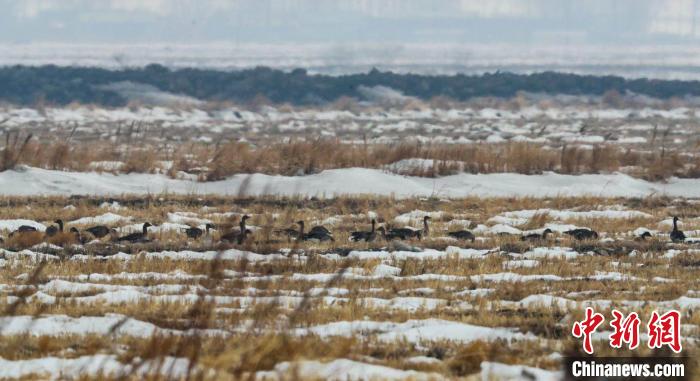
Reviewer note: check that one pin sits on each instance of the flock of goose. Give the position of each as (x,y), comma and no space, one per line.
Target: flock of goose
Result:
(98,231)
(317,233)
(101,231)
(407,233)
(322,234)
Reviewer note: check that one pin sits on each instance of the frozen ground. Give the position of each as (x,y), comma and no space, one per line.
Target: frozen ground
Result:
(497,308)
(421,298)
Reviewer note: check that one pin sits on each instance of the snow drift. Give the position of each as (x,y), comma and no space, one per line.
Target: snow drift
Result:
(28,181)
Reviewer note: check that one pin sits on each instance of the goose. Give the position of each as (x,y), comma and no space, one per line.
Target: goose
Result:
(536,237)
(366,236)
(426,229)
(402,233)
(582,234)
(394,241)
(643,237)
(26,228)
(406,233)
(53,230)
(239,234)
(138,236)
(194,232)
(462,234)
(677,235)
(318,233)
(236,236)
(294,232)
(318,229)
(389,235)
(98,231)
(23,229)
(242,223)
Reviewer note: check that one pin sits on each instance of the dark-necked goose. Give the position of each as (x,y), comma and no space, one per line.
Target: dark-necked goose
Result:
(677,235)
(643,237)
(241,225)
(23,229)
(236,236)
(582,234)
(462,234)
(407,233)
(239,235)
(536,236)
(426,229)
(320,230)
(390,235)
(53,229)
(98,231)
(366,236)
(195,233)
(138,236)
(317,233)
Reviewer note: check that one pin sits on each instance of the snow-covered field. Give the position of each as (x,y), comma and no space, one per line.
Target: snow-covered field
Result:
(437,308)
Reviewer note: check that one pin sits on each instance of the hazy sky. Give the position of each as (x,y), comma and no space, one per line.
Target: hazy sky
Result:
(336,21)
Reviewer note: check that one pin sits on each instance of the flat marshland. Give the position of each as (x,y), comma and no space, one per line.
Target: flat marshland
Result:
(273,307)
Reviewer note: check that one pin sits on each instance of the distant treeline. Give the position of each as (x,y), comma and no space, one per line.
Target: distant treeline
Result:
(25,85)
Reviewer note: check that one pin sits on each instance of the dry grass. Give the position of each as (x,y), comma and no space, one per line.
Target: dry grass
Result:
(215,161)
(14,149)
